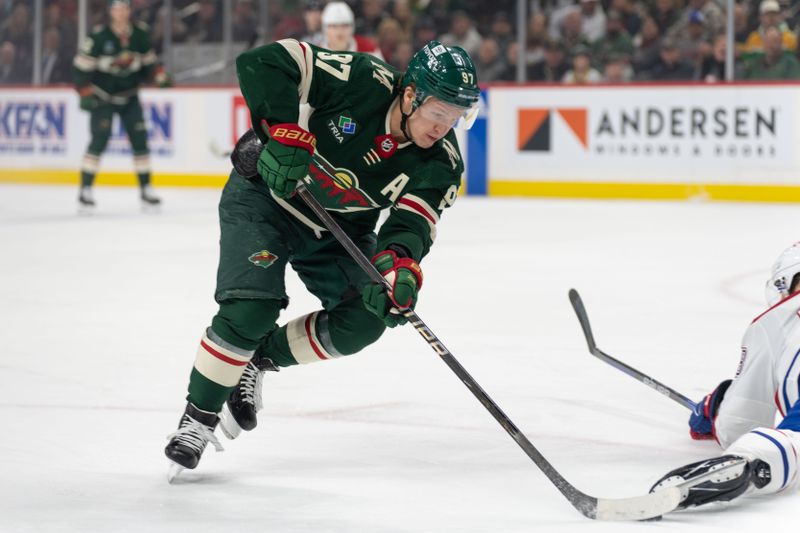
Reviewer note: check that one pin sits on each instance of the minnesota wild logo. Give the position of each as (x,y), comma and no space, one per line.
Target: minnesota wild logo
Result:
(263,259)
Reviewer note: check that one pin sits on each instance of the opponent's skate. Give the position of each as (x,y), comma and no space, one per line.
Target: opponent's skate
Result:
(719,479)
(186,445)
(239,411)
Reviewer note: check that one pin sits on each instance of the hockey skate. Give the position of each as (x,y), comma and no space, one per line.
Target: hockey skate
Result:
(719,479)
(239,411)
(150,202)
(86,202)
(186,445)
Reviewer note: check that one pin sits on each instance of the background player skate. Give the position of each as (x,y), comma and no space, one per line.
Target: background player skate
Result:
(740,413)
(113,62)
(382,139)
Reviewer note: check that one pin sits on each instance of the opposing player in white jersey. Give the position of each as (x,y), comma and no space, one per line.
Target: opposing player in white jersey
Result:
(338,29)
(741,413)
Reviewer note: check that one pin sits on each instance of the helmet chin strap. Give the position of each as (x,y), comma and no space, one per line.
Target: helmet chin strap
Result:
(404,121)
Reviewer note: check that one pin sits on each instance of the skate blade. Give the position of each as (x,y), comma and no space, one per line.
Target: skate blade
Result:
(227,424)
(174,470)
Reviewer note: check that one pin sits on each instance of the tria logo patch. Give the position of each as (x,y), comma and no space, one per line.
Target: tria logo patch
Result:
(263,259)
(386,144)
(347,125)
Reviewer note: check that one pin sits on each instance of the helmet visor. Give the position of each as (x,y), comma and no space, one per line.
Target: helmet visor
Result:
(448,115)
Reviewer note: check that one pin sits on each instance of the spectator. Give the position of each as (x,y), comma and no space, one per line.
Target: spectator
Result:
(537,36)
(402,13)
(489,62)
(67,28)
(617,40)
(770,17)
(11,71)
(245,21)
(693,39)
(631,21)
(741,28)
(56,64)
(389,35)
(511,56)
(372,13)
(424,32)
(18,30)
(554,66)
(503,31)
(712,68)
(665,15)
(671,67)
(647,48)
(338,27)
(205,26)
(462,33)
(403,53)
(617,69)
(774,63)
(572,31)
(713,16)
(593,20)
(180,31)
(312,17)
(582,72)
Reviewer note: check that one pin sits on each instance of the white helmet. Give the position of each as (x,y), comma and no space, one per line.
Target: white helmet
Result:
(783,272)
(337,13)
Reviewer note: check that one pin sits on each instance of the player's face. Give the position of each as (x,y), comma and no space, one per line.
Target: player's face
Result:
(338,36)
(120,13)
(431,121)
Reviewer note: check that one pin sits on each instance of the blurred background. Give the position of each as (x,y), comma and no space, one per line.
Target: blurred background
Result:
(613,41)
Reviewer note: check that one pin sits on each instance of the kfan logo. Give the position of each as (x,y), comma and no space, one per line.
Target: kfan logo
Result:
(535,127)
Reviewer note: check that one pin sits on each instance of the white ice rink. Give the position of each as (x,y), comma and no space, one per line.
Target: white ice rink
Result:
(100,318)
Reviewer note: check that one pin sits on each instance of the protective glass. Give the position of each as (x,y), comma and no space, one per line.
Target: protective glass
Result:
(448,115)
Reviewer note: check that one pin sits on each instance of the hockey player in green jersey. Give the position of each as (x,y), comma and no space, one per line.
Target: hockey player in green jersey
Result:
(375,138)
(109,68)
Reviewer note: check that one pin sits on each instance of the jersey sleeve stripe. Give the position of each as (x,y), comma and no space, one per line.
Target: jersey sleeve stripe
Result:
(149,58)
(420,206)
(303,56)
(85,62)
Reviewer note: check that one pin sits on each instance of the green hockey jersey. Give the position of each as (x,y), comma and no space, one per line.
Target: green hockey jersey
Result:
(115,65)
(351,96)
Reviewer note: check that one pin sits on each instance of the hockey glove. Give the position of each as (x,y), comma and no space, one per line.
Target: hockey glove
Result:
(701,422)
(88,100)
(286,157)
(405,279)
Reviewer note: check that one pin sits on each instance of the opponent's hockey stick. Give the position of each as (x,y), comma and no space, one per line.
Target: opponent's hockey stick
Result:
(637,508)
(656,385)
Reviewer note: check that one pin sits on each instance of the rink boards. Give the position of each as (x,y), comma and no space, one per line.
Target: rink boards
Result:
(732,142)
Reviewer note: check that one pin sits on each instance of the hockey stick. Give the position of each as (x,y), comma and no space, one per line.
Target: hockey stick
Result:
(637,508)
(216,66)
(583,318)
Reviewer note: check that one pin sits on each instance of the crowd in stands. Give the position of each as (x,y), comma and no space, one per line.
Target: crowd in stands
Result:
(568,41)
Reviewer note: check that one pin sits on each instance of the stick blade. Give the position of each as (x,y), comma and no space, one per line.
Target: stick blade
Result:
(583,318)
(646,507)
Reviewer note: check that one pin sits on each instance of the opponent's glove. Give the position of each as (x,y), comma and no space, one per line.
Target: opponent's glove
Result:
(88,99)
(405,279)
(286,157)
(701,421)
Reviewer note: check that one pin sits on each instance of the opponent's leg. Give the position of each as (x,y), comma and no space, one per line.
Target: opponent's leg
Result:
(99,131)
(762,461)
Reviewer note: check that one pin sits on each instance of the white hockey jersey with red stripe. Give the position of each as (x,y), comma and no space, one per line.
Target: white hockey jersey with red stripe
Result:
(361,44)
(766,382)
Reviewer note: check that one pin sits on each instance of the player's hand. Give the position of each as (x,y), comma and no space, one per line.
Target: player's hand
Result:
(162,78)
(405,279)
(88,99)
(286,157)
(701,421)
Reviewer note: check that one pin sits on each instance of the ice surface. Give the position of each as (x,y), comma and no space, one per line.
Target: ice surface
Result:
(100,317)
